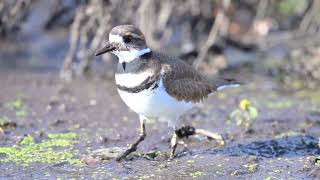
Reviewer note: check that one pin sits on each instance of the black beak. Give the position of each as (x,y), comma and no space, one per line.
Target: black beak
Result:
(109,47)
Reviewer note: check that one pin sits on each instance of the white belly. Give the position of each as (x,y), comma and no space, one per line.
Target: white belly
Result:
(156,103)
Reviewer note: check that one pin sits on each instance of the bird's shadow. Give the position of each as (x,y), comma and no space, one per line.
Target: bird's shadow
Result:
(301,145)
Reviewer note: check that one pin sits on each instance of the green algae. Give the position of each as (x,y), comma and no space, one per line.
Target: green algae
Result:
(18,106)
(286,134)
(3,120)
(196,174)
(279,104)
(251,167)
(69,135)
(15,104)
(310,95)
(27,141)
(6,123)
(142,177)
(58,148)
(151,155)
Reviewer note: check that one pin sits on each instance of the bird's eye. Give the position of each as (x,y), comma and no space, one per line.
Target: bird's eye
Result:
(127,38)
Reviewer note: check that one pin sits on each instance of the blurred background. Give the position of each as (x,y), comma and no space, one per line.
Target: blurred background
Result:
(280,37)
(51,82)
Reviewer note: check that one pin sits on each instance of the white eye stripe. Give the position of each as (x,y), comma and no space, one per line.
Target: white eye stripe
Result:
(115,38)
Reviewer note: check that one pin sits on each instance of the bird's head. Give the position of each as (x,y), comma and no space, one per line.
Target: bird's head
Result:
(125,41)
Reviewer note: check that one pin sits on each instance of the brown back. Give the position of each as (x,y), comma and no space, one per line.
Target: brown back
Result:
(182,81)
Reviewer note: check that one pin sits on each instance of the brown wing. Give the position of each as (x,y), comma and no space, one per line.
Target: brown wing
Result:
(183,82)
(188,89)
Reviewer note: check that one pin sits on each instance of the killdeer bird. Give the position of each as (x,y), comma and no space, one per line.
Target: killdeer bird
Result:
(155,85)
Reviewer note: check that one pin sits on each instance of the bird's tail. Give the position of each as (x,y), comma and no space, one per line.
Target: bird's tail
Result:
(223,83)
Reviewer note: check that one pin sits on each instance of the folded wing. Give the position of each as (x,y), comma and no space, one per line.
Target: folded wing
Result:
(184,83)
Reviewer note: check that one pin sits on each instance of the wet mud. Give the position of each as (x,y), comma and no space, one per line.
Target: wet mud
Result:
(49,129)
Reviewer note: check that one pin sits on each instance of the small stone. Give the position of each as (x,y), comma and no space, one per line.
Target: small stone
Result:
(58,122)
(54,101)
(107,153)
(62,108)
(103,140)
(91,161)
(93,102)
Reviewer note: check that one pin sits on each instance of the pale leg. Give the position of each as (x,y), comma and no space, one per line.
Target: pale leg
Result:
(133,147)
(173,147)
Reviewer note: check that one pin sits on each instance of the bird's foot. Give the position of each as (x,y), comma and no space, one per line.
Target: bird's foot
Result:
(132,148)
(173,147)
(187,131)
(126,153)
(211,135)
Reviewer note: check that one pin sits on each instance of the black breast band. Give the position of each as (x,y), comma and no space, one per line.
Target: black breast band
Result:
(146,84)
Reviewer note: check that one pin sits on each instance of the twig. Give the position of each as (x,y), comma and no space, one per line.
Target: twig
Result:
(308,17)
(211,38)
(66,72)
(261,9)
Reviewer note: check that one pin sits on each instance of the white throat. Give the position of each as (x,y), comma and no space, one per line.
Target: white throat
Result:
(127,56)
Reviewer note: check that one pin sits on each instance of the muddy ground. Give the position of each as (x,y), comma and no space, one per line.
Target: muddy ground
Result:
(50,129)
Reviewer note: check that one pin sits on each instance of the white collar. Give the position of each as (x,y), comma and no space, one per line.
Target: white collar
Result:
(128,56)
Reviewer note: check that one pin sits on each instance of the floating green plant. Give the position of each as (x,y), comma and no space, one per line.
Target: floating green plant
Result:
(58,148)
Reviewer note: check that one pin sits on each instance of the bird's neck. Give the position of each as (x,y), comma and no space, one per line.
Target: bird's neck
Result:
(138,71)
(131,55)
(137,65)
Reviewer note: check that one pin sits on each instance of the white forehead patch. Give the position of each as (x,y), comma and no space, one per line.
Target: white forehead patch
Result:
(115,38)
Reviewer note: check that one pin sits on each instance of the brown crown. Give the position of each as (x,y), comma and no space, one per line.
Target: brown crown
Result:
(132,32)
